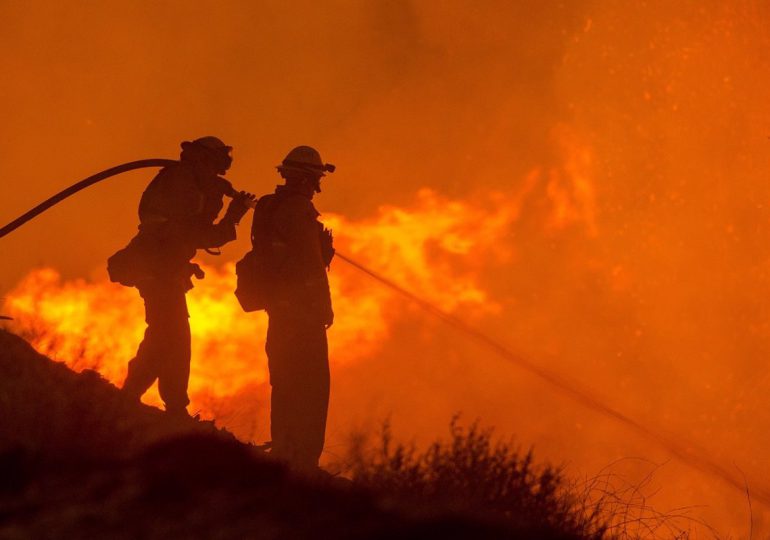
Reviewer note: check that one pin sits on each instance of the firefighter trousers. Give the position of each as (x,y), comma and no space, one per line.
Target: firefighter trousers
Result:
(164,354)
(298,360)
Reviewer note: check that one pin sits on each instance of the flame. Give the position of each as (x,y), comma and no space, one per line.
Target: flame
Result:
(570,187)
(437,248)
(614,154)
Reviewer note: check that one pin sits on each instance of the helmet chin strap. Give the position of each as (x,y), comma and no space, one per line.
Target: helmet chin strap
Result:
(306,183)
(313,182)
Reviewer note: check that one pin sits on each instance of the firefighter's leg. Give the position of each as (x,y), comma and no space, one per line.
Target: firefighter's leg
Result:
(174,368)
(312,398)
(282,417)
(144,368)
(299,375)
(284,353)
(278,337)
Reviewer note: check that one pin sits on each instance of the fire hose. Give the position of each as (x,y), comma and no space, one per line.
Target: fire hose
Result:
(685,451)
(91,180)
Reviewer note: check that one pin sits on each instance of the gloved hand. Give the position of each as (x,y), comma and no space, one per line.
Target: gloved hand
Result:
(191,270)
(239,206)
(327,246)
(329,319)
(197,271)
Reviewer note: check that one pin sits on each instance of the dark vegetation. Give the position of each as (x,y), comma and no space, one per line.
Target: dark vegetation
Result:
(469,472)
(78,461)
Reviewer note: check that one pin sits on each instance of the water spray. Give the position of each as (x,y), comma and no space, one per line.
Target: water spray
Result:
(683,450)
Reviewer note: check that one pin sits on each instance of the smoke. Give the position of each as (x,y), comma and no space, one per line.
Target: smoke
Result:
(607,162)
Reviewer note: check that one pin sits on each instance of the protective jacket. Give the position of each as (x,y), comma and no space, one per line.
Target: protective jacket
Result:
(176,213)
(301,253)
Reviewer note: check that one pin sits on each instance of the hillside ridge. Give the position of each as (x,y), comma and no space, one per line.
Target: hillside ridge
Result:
(79,461)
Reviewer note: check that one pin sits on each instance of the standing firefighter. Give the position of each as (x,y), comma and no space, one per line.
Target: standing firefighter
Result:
(285,273)
(176,213)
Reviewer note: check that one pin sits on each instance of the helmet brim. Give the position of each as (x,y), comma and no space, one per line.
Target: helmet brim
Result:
(301,170)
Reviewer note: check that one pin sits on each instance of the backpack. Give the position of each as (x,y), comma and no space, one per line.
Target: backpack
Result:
(256,272)
(133,263)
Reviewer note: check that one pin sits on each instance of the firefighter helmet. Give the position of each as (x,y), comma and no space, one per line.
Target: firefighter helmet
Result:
(214,150)
(304,160)
(212,143)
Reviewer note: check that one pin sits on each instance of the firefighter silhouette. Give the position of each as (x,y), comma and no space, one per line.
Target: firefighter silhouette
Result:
(177,214)
(299,307)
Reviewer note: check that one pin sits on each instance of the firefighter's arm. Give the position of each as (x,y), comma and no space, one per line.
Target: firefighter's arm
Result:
(327,244)
(238,207)
(218,234)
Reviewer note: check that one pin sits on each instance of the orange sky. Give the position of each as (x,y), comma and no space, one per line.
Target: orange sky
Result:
(629,141)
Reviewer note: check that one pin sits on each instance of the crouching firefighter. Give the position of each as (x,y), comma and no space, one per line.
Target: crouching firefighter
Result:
(176,217)
(285,274)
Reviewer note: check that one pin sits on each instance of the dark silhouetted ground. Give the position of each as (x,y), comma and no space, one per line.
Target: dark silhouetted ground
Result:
(79,461)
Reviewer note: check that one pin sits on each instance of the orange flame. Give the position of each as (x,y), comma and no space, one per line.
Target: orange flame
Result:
(438,248)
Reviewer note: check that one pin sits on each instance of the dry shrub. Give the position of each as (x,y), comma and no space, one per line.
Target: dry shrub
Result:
(624,507)
(472,473)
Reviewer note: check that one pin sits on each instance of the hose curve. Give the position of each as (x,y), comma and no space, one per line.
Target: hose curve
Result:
(91,180)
